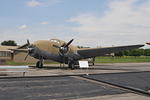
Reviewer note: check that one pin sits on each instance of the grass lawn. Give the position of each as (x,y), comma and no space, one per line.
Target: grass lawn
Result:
(16,63)
(25,63)
(125,59)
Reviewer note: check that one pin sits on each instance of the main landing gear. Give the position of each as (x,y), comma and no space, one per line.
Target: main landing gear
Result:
(71,64)
(39,64)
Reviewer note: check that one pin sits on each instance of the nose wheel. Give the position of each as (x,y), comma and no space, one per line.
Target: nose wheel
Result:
(39,64)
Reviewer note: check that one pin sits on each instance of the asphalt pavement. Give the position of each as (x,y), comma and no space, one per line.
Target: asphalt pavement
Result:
(49,88)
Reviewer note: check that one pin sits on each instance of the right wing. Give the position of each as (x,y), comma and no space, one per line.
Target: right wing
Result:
(20,49)
(93,52)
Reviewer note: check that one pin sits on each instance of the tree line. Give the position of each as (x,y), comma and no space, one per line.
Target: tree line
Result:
(9,43)
(134,52)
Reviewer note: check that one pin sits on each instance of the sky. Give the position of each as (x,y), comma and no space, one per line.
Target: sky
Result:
(91,23)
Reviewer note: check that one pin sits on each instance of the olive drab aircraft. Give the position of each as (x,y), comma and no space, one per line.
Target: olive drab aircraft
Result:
(63,52)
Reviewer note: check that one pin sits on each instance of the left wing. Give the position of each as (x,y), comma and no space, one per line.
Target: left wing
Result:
(93,52)
(19,50)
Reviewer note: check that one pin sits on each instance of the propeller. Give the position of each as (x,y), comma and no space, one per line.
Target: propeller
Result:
(26,56)
(69,43)
(63,49)
(28,43)
(30,49)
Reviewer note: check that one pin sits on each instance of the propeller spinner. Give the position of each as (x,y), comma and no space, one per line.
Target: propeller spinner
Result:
(30,49)
(64,48)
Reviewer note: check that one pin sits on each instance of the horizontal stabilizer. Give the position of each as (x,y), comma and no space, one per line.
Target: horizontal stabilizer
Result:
(148,43)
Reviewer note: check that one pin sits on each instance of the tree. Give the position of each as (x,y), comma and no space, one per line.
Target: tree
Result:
(119,54)
(82,47)
(147,52)
(136,52)
(126,52)
(9,43)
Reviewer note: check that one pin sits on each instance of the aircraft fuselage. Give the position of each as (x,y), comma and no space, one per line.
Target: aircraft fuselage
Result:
(44,49)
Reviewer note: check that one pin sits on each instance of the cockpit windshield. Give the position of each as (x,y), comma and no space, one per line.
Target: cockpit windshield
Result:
(55,40)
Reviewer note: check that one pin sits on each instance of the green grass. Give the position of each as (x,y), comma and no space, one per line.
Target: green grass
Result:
(17,63)
(125,59)
(25,63)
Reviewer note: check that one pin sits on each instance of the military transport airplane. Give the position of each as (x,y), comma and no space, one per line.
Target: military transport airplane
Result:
(63,52)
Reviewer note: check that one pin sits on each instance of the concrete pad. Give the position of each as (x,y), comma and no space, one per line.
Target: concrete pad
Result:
(125,96)
(55,69)
(140,80)
(44,88)
(70,88)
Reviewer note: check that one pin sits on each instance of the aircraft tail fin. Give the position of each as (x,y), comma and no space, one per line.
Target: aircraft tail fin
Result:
(148,43)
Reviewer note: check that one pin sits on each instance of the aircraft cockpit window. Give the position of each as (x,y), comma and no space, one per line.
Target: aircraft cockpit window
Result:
(56,41)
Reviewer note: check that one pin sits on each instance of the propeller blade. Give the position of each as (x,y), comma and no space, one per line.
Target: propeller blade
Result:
(26,56)
(56,46)
(69,43)
(28,42)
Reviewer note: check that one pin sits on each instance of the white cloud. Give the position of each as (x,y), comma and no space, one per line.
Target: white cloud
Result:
(23,27)
(126,22)
(44,23)
(33,3)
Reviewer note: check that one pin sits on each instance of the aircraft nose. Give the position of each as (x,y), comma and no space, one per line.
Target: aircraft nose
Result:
(31,50)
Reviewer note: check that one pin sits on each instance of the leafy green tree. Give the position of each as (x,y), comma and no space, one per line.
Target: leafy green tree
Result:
(9,43)
(82,47)
(141,52)
(136,52)
(147,52)
(126,52)
(133,52)
(119,54)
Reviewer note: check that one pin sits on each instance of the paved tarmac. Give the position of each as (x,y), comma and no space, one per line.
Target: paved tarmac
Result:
(140,80)
(45,88)
(56,86)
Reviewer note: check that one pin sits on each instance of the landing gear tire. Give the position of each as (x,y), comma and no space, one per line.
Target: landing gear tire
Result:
(93,63)
(71,65)
(39,64)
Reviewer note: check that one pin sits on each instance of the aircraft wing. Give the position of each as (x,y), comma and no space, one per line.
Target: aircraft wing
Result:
(93,52)
(19,50)
(23,46)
